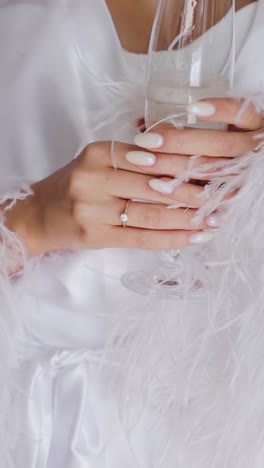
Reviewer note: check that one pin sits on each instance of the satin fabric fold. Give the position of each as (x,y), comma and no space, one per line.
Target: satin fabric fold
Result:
(65,408)
(65,416)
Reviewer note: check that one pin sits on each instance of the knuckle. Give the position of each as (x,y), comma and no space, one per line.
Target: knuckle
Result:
(91,154)
(77,214)
(83,182)
(74,183)
(86,231)
(86,237)
(91,239)
(80,224)
(150,216)
(97,153)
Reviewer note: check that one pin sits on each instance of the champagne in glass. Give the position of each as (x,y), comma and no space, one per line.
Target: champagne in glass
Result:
(191,57)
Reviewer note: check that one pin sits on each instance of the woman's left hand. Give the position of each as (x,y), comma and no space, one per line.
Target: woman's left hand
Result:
(172,146)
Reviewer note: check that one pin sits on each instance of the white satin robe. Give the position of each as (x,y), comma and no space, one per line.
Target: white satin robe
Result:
(62,412)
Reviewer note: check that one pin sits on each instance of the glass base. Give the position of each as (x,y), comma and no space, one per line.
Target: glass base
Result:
(163,285)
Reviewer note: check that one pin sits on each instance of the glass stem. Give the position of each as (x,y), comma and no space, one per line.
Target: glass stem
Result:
(170,258)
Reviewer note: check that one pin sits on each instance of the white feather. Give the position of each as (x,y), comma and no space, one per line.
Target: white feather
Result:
(12,257)
(197,365)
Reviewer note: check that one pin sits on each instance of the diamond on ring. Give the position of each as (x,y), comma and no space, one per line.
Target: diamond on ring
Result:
(124,218)
(124,215)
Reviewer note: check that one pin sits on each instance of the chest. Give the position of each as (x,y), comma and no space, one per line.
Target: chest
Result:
(133,20)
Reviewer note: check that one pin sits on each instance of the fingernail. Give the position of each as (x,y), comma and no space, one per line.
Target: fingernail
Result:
(141,158)
(201,109)
(162,186)
(201,237)
(214,220)
(149,140)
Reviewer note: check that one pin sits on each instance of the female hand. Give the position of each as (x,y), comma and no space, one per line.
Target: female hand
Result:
(79,206)
(170,146)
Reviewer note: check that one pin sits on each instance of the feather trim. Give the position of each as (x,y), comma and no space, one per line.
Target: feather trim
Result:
(12,256)
(201,377)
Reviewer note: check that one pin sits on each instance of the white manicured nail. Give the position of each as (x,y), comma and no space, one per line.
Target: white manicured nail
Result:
(201,237)
(214,220)
(162,186)
(141,158)
(149,140)
(201,109)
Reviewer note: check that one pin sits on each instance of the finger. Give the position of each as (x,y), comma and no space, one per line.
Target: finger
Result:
(127,185)
(134,238)
(93,185)
(237,112)
(159,217)
(188,141)
(142,215)
(134,159)
(166,164)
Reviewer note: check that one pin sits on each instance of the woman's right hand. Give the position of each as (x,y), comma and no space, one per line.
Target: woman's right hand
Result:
(79,206)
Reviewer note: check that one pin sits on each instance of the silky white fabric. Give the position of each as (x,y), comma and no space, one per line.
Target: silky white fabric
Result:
(63,414)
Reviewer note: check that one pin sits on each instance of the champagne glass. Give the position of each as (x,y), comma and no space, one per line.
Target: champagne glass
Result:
(191,57)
